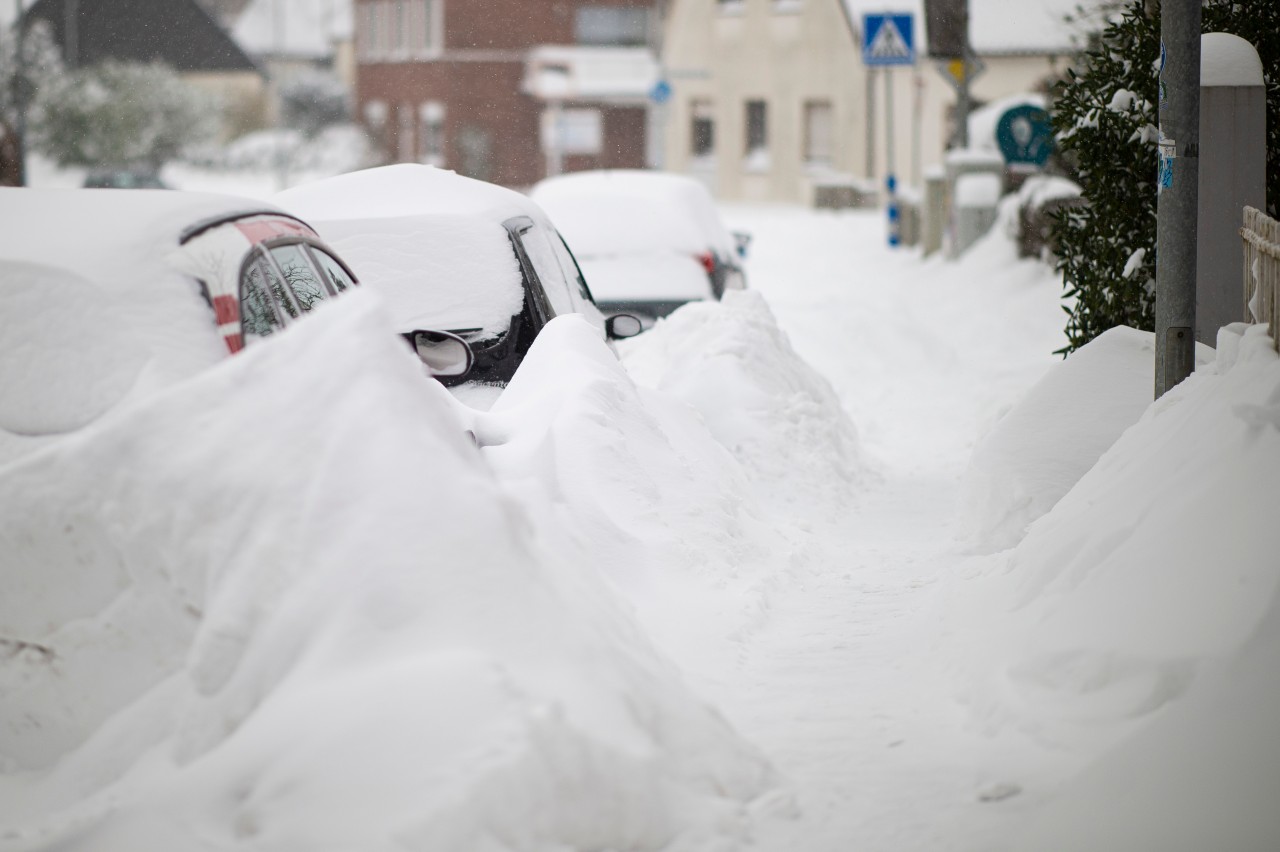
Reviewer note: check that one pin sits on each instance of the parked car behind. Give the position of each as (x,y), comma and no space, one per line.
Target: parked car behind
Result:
(454,253)
(647,241)
(107,292)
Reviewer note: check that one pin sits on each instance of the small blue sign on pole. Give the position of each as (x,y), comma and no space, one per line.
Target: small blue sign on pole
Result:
(888,40)
(661,92)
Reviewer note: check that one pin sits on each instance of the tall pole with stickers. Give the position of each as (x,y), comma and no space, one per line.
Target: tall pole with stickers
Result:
(1177,192)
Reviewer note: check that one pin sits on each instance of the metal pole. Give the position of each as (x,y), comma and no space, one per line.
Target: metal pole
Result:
(890,181)
(1177,192)
(967,68)
(21,94)
(871,124)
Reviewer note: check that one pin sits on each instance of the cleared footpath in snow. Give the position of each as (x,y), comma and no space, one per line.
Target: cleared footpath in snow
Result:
(837,681)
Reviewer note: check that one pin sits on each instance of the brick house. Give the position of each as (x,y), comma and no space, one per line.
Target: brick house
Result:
(508,91)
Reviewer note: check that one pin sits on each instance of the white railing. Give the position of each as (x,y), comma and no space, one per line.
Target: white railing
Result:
(1261,239)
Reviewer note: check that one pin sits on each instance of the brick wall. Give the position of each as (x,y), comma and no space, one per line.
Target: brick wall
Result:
(491,128)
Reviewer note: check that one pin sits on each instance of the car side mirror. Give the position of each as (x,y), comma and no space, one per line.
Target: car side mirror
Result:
(622,326)
(446,355)
(741,241)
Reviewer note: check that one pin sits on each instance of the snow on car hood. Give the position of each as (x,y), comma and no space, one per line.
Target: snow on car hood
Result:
(325,624)
(659,276)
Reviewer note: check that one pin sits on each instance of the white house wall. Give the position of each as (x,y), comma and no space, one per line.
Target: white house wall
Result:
(783,53)
(788,51)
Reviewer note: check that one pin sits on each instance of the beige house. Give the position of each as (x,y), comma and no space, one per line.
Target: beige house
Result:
(771,98)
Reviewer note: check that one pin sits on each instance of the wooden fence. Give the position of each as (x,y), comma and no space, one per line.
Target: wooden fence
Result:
(1261,236)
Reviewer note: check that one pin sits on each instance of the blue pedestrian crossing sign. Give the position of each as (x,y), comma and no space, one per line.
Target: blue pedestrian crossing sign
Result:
(888,40)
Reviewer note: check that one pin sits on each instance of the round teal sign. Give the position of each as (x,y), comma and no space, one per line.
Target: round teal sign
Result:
(1025,135)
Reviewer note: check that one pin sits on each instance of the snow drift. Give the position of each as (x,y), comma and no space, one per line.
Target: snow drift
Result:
(1164,557)
(285,604)
(779,418)
(1041,448)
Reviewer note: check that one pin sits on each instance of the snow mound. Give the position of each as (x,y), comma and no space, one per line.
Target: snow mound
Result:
(779,418)
(1204,775)
(326,625)
(633,472)
(68,356)
(1041,448)
(1162,556)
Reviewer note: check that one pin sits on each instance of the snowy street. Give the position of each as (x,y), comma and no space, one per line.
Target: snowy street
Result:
(850,560)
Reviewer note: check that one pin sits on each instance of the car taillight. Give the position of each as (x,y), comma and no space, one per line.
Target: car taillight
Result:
(708,261)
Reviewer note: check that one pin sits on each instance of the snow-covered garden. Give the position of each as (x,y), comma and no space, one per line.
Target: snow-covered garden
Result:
(849,560)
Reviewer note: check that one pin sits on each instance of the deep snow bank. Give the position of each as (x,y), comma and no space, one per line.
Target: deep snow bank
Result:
(636,476)
(1164,555)
(1041,448)
(286,605)
(779,418)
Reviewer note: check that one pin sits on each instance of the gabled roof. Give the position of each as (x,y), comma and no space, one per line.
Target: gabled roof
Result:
(179,33)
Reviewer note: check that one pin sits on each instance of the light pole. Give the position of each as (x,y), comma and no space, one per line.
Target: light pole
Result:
(1177,192)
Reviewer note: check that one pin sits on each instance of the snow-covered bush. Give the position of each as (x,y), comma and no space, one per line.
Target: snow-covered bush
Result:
(1105,118)
(119,114)
(311,102)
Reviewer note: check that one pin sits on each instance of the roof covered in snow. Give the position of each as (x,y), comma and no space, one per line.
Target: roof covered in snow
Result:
(429,239)
(296,28)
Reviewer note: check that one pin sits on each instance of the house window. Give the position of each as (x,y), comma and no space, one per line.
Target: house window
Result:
(757,128)
(404,133)
(611,25)
(399,30)
(431,133)
(702,129)
(573,131)
(818,129)
(367,31)
(729,7)
(426,23)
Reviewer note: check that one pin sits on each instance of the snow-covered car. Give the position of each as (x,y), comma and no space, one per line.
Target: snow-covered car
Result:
(647,241)
(450,252)
(109,293)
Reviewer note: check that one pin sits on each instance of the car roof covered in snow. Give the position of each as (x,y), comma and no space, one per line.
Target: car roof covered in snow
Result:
(94,306)
(116,238)
(430,240)
(629,210)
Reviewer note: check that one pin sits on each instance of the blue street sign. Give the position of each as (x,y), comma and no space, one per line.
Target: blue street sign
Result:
(888,40)
(1025,135)
(661,92)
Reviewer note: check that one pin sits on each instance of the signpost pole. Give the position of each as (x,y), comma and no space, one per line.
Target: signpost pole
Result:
(890,181)
(1177,192)
(888,40)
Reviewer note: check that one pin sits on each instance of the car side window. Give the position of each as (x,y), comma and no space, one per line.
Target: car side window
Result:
(572,271)
(304,281)
(259,311)
(336,272)
(548,270)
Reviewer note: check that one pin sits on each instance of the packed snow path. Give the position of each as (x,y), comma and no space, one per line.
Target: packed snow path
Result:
(837,684)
